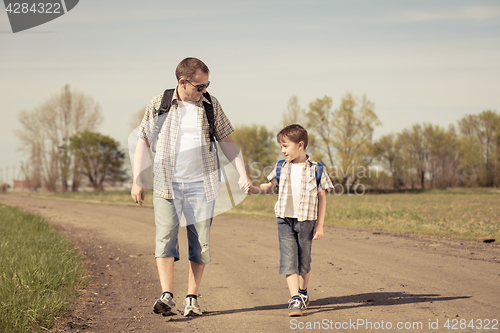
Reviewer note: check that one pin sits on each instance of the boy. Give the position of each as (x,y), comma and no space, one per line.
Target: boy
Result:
(300,212)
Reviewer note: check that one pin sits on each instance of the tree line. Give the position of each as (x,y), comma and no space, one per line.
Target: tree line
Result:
(63,147)
(425,155)
(65,152)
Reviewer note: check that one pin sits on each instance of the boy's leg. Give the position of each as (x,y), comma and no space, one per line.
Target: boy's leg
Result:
(305,238)
(293,284)
(304,281)
(289,262)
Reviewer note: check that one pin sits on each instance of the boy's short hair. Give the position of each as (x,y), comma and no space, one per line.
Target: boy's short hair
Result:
(187,68)
(294,133)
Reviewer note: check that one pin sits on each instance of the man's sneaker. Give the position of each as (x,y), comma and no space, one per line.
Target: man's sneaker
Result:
(295,307)
(305,300)
(191,307)
(165,305)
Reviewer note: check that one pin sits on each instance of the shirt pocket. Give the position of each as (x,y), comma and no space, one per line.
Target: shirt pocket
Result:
(311,185)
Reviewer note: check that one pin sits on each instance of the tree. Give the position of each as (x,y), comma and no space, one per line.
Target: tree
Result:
(390,154)
(293,113)
(100,156)
(320,120)
(345,134)
(415,151)
(483,131)
(442,155)
(355,122)
(45,134)
(259,149)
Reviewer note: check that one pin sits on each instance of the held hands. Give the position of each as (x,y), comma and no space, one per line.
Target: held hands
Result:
(245,184)
(318,232)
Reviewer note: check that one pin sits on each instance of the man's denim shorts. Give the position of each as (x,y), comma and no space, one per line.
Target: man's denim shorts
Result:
(295,239)
(190,200)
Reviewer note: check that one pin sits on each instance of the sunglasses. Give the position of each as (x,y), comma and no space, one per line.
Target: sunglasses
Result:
(199,87)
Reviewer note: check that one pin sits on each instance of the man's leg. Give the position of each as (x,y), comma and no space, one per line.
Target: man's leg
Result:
(165,268)
(166,251)
(194,279)
(198,213)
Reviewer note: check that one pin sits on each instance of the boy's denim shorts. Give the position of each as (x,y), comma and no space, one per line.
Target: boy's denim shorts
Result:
(295,238)
(190,200)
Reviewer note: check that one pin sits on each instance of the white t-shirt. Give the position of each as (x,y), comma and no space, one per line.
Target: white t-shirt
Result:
(293,200)
(188,160)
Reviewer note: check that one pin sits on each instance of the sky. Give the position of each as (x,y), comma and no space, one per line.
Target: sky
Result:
(417,61)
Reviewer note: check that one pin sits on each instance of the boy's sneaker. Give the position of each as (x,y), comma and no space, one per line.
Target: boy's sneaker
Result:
(165,305)
(295,307)
(305,300)
(191,307)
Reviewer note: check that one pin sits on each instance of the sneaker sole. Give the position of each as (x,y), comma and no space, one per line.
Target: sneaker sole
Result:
(163,309)
(294,314)
(191,313)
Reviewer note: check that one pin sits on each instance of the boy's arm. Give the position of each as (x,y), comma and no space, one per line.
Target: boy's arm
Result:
(262,188)
(318,230)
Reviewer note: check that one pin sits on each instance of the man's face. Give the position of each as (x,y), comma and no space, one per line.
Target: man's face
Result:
(187,88)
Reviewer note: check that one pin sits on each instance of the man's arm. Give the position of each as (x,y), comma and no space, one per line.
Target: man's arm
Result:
(233,154)
(318,230)
(140,159)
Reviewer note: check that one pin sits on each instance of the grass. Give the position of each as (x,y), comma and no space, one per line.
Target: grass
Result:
(465,213)
(39,273)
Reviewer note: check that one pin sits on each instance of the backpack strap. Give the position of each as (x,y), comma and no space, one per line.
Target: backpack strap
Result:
(319,171)
(209,111)
(166,103)
(278,170)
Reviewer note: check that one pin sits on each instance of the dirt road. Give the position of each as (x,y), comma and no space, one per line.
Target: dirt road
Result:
(362,280)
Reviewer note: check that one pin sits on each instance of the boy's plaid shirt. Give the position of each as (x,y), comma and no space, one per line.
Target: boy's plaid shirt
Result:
(164,162)
(308,206)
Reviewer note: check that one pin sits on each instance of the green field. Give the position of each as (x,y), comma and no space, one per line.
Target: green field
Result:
(465,213)
(39,272)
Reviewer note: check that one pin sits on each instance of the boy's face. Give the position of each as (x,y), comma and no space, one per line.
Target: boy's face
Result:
(292,150)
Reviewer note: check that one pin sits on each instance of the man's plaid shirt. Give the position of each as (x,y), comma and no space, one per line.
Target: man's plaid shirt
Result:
(308,206)
(164,162)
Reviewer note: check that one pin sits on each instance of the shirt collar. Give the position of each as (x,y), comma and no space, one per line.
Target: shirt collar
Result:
(176,99)
(308,161)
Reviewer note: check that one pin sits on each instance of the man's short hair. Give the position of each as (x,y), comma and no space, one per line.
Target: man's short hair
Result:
(294,133)
(187,68)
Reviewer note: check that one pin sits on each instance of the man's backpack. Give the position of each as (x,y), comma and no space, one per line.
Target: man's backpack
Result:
(166,103)
(319,171)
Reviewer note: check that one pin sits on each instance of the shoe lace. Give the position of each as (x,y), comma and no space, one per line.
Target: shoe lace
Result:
(294,302)
(303,298)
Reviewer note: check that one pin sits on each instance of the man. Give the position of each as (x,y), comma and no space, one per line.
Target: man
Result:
(186,177)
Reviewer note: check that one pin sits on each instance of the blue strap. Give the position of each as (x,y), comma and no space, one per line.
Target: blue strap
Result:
(278,170)
(319,171)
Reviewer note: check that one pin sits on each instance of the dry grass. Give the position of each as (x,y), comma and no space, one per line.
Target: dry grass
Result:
(466,213)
